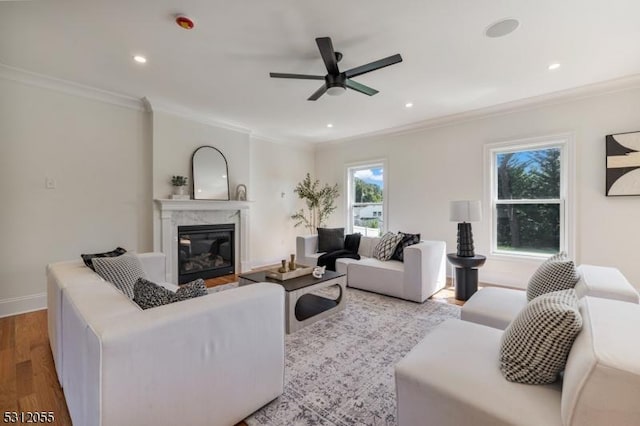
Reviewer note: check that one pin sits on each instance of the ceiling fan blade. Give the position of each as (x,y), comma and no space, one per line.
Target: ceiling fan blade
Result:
(328,54)
(300,76)
(361,88)
(318,93)
(372,66)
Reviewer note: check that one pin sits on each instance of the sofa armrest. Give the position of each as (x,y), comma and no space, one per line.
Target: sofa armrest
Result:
(424,269)
(154,265)
(306,245)
(221,354)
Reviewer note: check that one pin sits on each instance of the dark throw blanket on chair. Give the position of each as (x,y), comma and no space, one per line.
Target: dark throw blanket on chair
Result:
(351,244)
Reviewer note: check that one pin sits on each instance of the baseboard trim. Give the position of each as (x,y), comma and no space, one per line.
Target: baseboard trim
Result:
(22,304)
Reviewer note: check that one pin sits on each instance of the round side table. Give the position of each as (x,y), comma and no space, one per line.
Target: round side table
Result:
(466,274)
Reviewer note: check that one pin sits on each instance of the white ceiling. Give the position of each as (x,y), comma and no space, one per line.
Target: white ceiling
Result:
(221,68)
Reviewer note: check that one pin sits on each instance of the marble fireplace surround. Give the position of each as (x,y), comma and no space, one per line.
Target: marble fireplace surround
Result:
(174,213)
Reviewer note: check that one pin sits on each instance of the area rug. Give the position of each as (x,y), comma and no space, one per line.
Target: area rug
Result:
(339,371)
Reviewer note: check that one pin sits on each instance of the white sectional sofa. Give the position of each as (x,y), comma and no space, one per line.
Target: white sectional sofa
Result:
(497,307)
(191,362)
(453,377)
(422,273)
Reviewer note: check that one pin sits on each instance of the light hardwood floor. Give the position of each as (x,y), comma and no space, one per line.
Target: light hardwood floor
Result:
(28,380)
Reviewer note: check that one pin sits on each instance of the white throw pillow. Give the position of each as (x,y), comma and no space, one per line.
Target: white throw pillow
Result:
(387,245)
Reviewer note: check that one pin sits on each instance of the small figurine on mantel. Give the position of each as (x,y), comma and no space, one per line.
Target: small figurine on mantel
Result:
(241,192)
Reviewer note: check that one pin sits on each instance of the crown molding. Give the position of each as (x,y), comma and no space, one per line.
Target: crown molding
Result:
(157,105)
(64,86)
(554,98)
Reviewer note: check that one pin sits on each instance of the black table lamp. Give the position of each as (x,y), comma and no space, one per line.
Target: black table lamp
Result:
(464,212)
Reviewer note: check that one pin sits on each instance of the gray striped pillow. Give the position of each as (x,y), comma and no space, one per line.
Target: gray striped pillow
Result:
(122,271)
(535,346)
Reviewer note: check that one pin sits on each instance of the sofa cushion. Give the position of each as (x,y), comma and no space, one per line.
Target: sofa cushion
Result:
(494,307)
(601,382)
(605,282)
(555,274)
(150,295)
(367,244)
(406,241)
(535,346)
(122,271)
(330,239)
(385,248)
(452,378)
(384,277)
(87,258)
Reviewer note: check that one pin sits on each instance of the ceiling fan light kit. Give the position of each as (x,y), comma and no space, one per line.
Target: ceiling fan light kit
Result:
(336,82)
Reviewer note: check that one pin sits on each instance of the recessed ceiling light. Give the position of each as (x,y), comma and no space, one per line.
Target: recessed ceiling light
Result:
(554,66)
(408,105)
(140,59)
(329,125)
(502,28)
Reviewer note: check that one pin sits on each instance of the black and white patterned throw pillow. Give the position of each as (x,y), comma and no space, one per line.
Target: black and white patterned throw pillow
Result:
(406,241)
(88,258)
(122,271)
(555,274)
(535,346)
(386,246)
(148,294)
(190,290)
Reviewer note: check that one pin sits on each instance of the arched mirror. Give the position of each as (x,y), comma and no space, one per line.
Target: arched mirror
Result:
(210,174)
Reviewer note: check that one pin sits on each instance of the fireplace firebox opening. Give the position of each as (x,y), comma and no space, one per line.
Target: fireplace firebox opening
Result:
(205,251)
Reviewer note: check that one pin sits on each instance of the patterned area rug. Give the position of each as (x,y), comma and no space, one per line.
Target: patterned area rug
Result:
(339,371)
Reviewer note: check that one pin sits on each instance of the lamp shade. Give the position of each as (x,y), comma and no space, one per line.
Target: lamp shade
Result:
(465,211)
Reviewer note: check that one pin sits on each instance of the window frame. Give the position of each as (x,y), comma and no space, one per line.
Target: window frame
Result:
(350,168)
(565,142)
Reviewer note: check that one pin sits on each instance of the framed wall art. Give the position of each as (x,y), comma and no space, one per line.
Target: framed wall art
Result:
(623,164)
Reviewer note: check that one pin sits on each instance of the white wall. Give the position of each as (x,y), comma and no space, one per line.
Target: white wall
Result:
(430,167)
(267,169)
(276,169)
(100,156)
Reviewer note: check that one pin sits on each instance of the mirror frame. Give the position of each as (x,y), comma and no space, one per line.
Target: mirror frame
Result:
(193,181)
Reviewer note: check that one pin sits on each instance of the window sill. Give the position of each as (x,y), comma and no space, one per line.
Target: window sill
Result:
(519,257)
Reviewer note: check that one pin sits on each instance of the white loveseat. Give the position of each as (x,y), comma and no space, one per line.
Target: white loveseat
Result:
(191,362)
(453,377)
(422,273)
(497,307)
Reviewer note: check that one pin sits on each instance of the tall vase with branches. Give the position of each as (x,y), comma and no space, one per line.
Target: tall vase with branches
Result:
(320,203)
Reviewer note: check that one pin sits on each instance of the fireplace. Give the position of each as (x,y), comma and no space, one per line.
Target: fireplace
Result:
(205,251)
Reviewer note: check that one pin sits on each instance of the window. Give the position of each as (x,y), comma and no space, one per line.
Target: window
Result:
(530,197)
(366,198)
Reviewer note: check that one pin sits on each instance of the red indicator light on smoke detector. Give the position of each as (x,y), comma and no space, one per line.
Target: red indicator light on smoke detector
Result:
(184,22)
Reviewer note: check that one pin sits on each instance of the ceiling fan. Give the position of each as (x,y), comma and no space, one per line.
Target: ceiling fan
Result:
(336,82)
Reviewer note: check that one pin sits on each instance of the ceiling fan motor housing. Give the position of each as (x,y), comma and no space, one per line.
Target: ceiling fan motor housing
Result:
(336,84)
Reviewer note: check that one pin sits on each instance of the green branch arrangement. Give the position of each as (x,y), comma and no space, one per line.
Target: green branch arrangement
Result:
(320,203)
(179,180)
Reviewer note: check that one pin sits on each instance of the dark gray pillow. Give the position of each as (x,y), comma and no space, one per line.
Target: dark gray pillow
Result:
(87,258)
(535,346)
(148,294)
(406,241)
(555,274)
(352,242)
(122,271)
(330,239)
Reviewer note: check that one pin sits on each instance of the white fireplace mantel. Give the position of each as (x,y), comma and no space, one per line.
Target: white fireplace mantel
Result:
(169,235)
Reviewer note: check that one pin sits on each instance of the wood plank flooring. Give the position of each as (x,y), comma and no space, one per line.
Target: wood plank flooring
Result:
(28,381)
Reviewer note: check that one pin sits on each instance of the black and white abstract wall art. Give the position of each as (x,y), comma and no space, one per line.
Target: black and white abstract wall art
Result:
(623,164)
